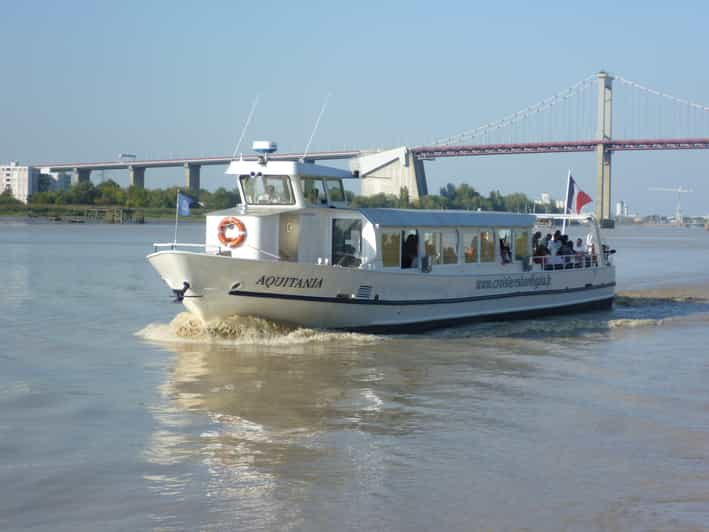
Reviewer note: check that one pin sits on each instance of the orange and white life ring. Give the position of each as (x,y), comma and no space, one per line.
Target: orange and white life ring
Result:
(235,223)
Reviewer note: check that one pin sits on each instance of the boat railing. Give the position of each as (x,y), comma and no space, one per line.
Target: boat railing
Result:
(570,262)
(172,246)
(211,249)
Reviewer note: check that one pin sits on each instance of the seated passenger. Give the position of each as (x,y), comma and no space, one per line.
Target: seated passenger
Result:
(409,256)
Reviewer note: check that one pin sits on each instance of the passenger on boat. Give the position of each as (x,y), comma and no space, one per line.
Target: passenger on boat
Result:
(580,252)
(579,247)
(505,252)
(409,257)
(540,253)
(566,251)
(554,248)
(535,239)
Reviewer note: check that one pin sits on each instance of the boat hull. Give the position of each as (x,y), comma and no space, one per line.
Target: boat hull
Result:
(320,296)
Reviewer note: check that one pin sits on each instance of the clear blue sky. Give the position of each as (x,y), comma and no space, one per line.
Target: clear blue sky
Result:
(84,80)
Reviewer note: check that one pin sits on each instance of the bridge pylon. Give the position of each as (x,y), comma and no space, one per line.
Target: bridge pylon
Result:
(603,151)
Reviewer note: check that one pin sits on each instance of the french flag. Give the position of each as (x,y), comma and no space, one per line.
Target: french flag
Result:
(575,197)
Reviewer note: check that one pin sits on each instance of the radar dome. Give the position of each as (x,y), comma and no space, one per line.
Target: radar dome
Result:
(262,147)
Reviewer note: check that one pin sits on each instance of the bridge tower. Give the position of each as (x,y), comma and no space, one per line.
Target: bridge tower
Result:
(603,153)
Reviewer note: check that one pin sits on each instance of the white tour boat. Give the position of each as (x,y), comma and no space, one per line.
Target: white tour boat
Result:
(294,252)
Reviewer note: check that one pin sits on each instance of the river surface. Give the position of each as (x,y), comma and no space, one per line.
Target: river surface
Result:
(111,421)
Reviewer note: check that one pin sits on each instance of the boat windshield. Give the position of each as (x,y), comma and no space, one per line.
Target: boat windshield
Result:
(267,190)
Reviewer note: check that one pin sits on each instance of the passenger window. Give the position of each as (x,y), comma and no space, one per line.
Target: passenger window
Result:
(487,246)
(470,250)
(450,247)
(410,249)
(432,246)
(391,244)
(521,245)
(314,191)
(347,243)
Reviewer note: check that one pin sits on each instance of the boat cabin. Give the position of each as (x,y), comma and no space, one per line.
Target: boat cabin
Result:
(297,212)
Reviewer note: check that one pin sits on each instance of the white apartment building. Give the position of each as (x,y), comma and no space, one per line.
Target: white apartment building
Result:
(21,181)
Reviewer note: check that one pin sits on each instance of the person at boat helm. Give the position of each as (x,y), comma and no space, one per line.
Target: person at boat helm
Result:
(313,196)
(409,258)
(271,195)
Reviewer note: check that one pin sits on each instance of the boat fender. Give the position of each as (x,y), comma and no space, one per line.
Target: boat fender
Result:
(231,221)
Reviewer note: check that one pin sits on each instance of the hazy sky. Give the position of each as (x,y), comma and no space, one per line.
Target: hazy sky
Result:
(87,80)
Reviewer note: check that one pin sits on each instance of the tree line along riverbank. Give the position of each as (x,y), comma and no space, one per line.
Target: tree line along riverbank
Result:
(160,203)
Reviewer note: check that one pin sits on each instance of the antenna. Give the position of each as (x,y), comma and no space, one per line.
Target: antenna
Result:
(246,125)
(315,127)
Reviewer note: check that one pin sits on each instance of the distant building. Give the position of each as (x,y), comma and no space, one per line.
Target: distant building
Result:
(56,181)
(545,198)
(620,208)
(21,181)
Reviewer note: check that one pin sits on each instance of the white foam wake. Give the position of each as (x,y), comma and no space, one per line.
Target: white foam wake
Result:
(243,330)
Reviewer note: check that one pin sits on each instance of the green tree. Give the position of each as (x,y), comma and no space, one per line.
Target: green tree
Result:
(137,197)
(6,198)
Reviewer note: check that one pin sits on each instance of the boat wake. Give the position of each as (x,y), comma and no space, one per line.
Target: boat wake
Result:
(633,310)
(243,330)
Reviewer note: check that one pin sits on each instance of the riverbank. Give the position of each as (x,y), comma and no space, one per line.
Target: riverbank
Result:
(93,214)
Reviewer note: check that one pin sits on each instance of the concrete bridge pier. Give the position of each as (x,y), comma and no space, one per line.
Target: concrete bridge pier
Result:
(192,175)
(136,176)
(390,171)
(80,175)
(603,153)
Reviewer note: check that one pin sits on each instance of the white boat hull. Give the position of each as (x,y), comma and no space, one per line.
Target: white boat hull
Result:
(321,296)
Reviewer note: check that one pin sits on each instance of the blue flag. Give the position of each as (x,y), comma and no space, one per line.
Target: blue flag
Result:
(184,203)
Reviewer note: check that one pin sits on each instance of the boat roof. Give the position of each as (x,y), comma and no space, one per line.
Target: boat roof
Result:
(292,168)
(447,218)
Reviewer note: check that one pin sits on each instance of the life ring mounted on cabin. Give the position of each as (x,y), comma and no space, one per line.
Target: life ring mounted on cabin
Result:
(238,227)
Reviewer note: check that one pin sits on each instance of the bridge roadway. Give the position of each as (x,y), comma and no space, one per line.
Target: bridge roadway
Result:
(136,168)
(192,165)
(433,152)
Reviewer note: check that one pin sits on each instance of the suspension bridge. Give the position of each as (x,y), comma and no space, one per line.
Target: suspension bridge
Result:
(581,118)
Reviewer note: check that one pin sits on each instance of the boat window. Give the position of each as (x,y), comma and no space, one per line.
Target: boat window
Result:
(335,190)
(487,246)
(391,245)
(347,242)
(314,191)
(505,237)
(410,249)
(450,247)
(267,190)
(432,246)
(470,243)
(521,245)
